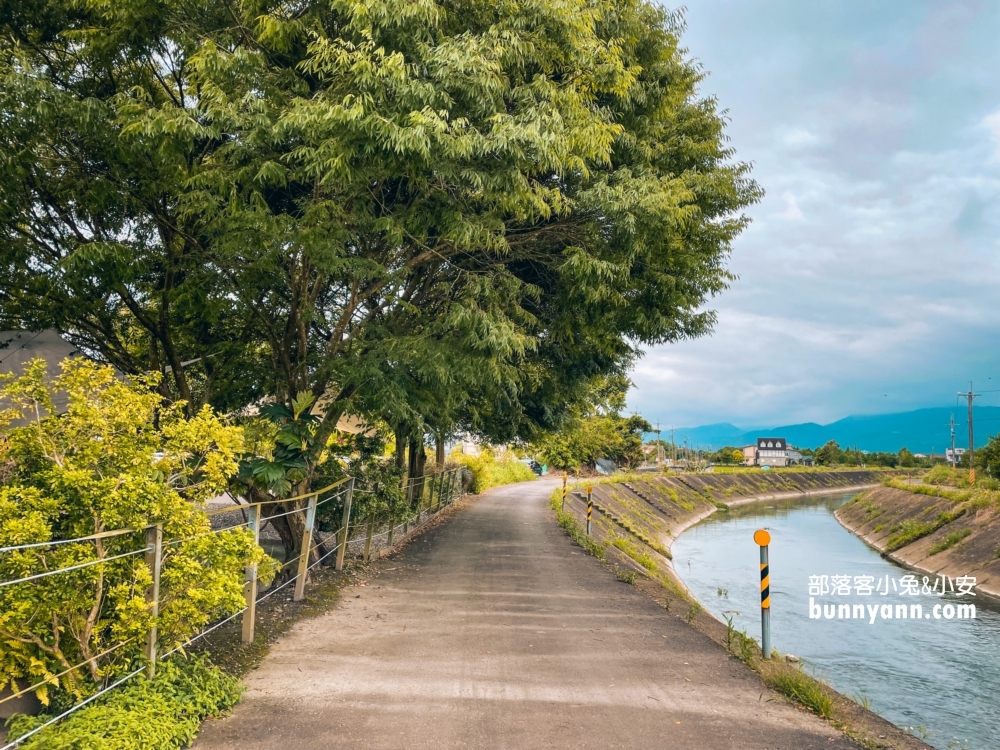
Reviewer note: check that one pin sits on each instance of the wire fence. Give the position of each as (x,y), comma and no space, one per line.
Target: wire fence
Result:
(426,497)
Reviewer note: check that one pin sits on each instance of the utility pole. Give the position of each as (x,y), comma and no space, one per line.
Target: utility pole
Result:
(659,447)
(673,447)
(972,454)
(954,461)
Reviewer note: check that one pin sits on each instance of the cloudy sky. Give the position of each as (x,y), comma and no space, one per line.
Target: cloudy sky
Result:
(870,277)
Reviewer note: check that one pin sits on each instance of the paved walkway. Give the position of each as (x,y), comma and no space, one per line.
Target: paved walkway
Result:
(496,631)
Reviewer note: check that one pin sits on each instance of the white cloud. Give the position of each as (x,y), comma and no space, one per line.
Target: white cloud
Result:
(992,125)
(799,138)
(792,211)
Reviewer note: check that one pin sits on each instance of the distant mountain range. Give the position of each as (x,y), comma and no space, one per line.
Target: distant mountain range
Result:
(922,431)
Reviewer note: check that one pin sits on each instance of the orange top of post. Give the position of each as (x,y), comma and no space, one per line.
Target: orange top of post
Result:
(589,490)
(762,537)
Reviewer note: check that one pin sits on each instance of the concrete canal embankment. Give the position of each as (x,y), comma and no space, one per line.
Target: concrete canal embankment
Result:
(951,534)
(657,509)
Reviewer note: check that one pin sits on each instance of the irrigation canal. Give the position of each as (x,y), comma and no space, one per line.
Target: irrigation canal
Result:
(938,678)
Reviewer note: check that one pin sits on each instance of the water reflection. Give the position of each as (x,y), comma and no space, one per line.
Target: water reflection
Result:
(937,677)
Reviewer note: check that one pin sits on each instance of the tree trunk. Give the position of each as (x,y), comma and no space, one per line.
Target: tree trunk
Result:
(401,434)
(439,452)
(418,459)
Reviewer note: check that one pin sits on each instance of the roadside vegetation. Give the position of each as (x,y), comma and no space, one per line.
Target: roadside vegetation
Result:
(114,460)
(164,712)
(490,471)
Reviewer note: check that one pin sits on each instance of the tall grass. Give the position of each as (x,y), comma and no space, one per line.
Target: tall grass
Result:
(801,687)
(489,471)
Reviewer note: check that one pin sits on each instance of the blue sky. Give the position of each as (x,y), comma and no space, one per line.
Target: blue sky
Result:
(870,276)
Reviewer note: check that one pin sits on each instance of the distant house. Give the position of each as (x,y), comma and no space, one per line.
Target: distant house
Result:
(772,452)
(18,348)
(953,456)
(750,455)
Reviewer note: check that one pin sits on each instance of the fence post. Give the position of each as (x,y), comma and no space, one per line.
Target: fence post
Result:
(392,532)
(345,526)
(250,584)
(368,539)
(440,490)
(590,508)
(154,555)
(306,548)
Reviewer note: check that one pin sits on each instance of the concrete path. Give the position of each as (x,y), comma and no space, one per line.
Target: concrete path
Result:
(496,631)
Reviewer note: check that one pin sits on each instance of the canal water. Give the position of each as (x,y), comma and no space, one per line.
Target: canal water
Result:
(937,678)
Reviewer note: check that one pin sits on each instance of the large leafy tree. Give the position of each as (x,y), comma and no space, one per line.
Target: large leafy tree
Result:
(444,214)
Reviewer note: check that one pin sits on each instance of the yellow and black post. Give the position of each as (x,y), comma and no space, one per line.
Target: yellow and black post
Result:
(590,508)
(565,477)
(763,538)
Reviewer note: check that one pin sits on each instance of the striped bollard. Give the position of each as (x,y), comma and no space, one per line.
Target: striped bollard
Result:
(563,507)
(763,538)
(590,508)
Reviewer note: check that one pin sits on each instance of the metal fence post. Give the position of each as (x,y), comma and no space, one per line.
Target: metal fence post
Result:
(345,525)
(154,556)
(440,490)
(250,584)
(590,508)
(306,548)
(763,538)
(368,539)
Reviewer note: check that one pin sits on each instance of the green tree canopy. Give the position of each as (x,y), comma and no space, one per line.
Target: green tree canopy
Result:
(597,430)
(437,213)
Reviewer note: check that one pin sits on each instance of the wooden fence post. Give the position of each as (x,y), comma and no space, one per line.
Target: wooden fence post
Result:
(368,539)
(154,556)
(250,583)
(306,548)
(345,526)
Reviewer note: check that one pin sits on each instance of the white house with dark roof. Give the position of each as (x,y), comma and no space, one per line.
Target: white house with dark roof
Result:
(772,452)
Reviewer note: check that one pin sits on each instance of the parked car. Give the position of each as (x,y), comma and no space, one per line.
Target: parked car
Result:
(533,465)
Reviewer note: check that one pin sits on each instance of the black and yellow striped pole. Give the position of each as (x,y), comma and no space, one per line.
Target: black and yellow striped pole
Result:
(590,508)
(565,477)
(763,538)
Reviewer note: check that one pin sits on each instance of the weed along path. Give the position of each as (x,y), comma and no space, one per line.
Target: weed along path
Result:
(494,630)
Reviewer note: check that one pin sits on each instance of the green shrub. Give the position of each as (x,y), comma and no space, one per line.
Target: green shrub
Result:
(488,471)
(117,458)
(950,541)
(942,474)
(163,713)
